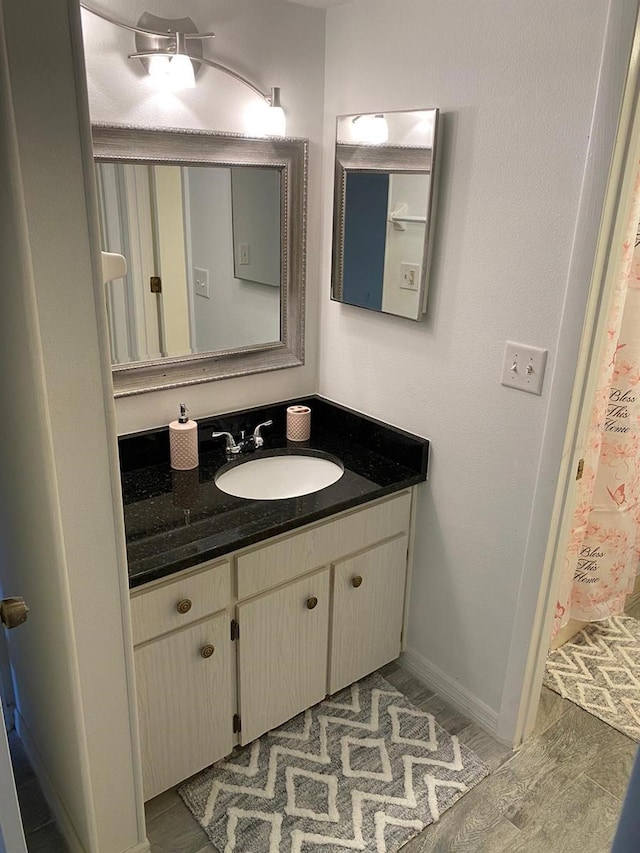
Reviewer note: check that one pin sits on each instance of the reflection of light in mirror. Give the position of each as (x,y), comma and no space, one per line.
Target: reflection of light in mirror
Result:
(371,128)
(408,127)
(425,125)
(264,120)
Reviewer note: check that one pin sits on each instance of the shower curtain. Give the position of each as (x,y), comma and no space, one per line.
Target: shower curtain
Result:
(603,552)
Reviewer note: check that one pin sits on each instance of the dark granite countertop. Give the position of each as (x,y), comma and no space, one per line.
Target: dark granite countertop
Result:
(177,519)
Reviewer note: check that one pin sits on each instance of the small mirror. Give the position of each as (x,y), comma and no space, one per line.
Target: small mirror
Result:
(213,227)
(385,181)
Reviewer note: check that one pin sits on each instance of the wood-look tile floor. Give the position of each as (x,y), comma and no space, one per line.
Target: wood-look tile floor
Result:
(561,792)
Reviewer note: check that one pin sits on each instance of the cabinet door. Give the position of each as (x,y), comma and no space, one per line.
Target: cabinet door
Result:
(368,604)
(185,703)
(283,653)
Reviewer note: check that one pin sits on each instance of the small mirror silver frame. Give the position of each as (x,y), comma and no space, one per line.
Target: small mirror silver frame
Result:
(125,143)
(384,158)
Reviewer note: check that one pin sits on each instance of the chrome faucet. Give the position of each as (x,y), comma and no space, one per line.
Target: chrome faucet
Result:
(232,448)
(254,442)
(257,438)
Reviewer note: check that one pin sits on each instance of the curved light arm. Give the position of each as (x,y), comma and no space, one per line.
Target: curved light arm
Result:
(141,30)
(148,54)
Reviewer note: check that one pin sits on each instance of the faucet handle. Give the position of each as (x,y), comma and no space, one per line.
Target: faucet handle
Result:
(258,440)
(232,447)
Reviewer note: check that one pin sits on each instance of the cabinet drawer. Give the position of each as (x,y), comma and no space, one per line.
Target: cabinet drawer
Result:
(155,611)
(271,565)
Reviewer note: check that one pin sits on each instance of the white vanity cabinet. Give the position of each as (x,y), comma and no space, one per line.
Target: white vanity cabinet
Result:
(291,620)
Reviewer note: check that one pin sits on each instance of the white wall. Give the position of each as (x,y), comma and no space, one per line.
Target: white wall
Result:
(516,83)
(274,43)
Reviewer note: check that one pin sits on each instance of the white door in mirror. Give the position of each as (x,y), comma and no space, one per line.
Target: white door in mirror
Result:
(271,478)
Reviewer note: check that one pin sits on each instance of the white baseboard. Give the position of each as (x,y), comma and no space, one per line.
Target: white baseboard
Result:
(143,847)
(59,812)
(444,686)
(50,794)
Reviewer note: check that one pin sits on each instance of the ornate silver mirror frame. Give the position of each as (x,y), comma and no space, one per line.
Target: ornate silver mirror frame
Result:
(190,147)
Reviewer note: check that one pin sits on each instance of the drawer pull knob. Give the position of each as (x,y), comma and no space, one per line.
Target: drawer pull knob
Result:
(356,581)
(311,602)
(207,651)
(184,606)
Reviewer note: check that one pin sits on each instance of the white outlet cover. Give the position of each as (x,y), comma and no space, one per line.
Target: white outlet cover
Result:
(523,367)
(409,276)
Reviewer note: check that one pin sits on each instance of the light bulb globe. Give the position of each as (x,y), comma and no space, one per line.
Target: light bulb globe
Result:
(181,74)
(159,66)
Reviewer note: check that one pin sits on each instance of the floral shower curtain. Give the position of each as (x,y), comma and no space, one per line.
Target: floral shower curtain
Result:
(603,553)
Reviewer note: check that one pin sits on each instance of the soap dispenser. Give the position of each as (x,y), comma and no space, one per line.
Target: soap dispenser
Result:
(183,441)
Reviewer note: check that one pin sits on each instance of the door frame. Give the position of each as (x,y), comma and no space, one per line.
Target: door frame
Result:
(519,707)
(12,838)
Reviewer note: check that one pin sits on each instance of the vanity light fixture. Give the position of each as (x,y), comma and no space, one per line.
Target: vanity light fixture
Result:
(171,51)
(371,128)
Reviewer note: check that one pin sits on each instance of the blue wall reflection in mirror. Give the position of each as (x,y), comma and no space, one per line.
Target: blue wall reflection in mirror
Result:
(365,228)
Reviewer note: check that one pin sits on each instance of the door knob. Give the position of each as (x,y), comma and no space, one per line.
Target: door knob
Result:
(13,612)
(311,602)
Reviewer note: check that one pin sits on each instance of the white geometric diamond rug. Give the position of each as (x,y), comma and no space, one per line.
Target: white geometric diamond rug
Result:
(364,770)
(600,671)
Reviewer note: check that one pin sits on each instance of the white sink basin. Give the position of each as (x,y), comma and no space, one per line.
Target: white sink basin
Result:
(271,478)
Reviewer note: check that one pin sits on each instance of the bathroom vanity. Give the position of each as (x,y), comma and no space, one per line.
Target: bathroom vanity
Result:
(244,612)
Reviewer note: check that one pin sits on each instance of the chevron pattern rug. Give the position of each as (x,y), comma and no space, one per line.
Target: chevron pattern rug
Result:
(365,770)
(600,671)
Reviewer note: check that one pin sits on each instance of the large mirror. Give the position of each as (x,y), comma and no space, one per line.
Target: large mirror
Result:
(213,229)
(385,184)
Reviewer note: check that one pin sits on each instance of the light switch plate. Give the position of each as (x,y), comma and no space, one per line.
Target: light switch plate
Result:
(201,282)
(523,367)
(409,276)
